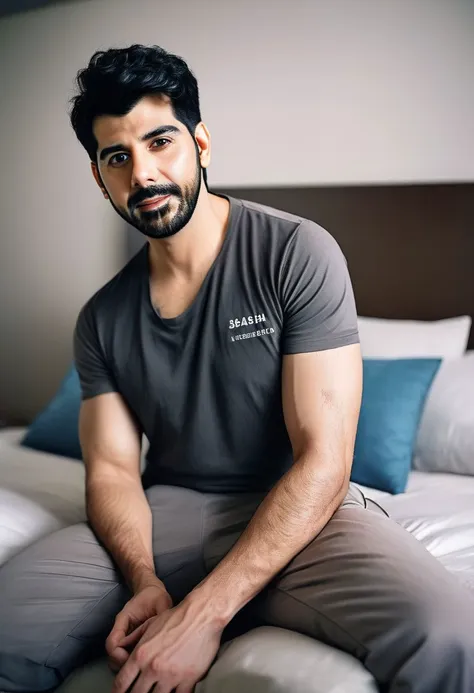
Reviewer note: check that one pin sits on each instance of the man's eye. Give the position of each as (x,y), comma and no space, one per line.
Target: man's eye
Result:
(114,160)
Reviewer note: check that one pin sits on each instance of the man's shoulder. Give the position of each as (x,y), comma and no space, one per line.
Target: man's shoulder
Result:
(284,226)
(271,215)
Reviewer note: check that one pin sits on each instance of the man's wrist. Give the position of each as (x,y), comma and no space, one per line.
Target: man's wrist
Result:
(216,606)
(143,579)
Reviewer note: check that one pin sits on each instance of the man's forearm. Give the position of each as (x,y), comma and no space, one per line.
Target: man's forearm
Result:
(120,515)
(290,516)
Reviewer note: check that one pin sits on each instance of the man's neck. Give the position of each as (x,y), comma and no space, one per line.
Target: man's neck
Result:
(194,248)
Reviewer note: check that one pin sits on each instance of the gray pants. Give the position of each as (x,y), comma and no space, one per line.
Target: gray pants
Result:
(363,585)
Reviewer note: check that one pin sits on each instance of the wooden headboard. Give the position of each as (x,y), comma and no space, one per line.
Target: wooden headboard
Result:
(410,248)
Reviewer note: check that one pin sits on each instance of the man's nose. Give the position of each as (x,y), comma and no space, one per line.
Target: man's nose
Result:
(144,170)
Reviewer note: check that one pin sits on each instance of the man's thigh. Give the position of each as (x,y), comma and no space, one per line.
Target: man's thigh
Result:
(365,585)
(227,515)
(178,527)
(59,597)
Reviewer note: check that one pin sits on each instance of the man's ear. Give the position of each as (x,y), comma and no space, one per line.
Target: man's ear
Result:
(203,141)
(98,179)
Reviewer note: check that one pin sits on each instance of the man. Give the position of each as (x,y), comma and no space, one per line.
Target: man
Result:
(231,341)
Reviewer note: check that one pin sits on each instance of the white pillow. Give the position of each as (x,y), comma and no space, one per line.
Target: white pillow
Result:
(390,339)
(276,660)
(445,441)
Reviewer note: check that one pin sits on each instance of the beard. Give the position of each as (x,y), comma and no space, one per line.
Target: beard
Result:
(163,222)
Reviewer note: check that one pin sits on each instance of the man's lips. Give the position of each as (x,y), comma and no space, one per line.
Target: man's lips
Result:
(153,202)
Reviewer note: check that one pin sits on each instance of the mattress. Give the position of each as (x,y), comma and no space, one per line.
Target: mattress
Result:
(40,493)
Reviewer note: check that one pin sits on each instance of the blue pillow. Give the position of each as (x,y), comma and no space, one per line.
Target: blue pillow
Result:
(393,398)
(56,428)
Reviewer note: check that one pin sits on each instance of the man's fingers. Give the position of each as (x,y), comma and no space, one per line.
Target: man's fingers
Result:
(122,622)
(118,632)
(132,638)
(113,666)
(117,658)
(185,688)
(113,641)
(147,682)
(126,676)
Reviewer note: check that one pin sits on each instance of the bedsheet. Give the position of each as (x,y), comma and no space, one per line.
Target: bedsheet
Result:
(39,493)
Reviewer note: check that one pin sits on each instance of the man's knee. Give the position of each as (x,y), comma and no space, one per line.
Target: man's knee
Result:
(432,649)
(57,598)
(449,641)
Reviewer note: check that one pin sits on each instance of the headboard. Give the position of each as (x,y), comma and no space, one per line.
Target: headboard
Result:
(410,248)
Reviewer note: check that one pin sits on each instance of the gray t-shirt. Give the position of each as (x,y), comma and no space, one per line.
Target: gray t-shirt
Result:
(206,386)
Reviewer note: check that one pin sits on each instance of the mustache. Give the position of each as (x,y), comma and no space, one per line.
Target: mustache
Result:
(153,191)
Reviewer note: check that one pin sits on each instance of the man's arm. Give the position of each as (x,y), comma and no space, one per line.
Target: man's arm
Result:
(116,504)
(321,401)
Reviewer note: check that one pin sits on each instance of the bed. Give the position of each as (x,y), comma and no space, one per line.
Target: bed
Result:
(409,250)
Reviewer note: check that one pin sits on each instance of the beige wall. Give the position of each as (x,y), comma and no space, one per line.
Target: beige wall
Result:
(307,91)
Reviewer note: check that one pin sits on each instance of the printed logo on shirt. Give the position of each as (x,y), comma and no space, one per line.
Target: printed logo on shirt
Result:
(245,322)
(250,335)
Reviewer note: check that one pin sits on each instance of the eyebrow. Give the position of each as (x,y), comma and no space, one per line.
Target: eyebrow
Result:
(157,132)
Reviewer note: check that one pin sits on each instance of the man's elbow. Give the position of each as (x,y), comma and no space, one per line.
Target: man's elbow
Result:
(330,470)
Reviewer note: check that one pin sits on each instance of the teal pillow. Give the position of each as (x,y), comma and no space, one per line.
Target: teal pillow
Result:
(393,398)
(56,428)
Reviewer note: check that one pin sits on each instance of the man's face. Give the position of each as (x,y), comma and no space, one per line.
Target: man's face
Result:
(149,167)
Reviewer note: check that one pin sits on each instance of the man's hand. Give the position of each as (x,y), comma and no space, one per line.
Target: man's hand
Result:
(152,600)
(173,650)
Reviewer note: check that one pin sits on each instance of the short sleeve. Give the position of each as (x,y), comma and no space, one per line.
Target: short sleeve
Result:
(94,374)
(319,310)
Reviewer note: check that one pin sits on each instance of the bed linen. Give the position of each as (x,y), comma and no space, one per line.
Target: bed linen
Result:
(438,509)
(39,493)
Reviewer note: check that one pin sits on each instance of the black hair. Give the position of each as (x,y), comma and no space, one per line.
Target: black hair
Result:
(116,79)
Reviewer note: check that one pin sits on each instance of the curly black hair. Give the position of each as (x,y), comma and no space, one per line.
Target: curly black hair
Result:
(116,79)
